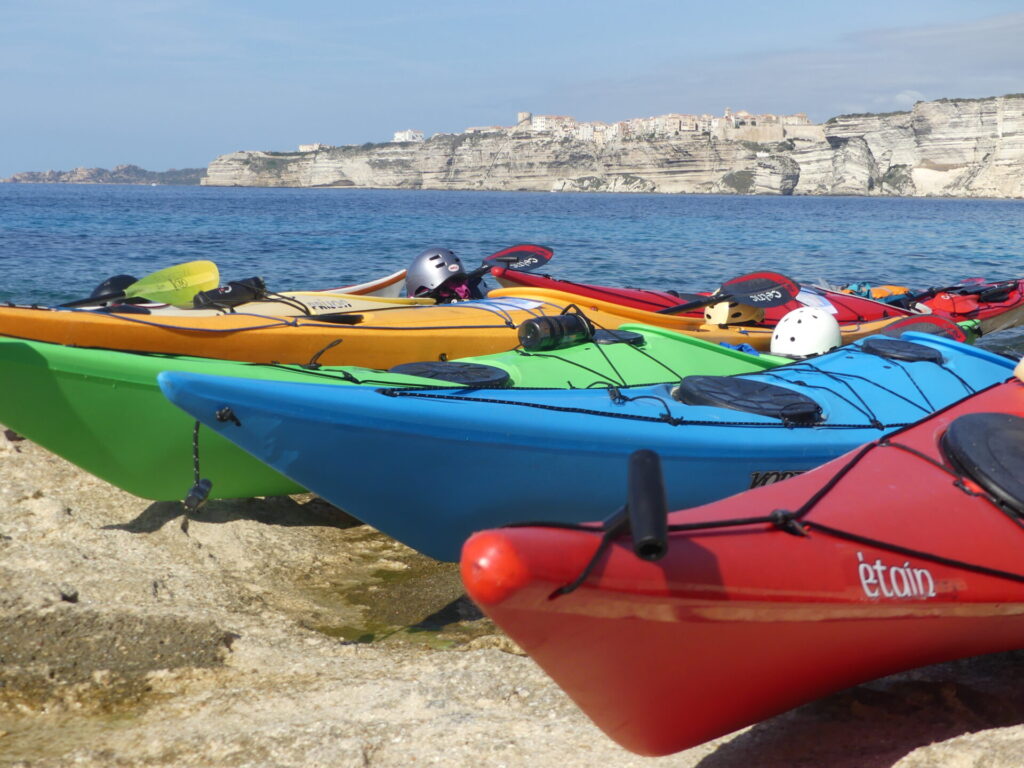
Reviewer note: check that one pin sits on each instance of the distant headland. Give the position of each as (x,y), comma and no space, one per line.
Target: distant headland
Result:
(121,174)
(970,147)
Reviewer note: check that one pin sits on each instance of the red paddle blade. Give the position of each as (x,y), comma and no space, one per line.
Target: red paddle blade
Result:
(940,326)
(524,257)
(760,289)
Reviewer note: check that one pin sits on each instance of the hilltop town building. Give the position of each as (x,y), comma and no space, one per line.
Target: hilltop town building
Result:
(408,135)
(734,126)
(731,125)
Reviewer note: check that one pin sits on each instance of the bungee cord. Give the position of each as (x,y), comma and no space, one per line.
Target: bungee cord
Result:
(797,522)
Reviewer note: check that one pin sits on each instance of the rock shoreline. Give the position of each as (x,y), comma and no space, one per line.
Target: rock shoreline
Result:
(279,632)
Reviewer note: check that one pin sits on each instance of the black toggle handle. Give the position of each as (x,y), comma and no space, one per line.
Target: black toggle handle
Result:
(197,496)
(648,509)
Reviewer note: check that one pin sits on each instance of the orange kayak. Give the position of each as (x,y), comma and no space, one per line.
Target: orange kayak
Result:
(372,338)
(375,339)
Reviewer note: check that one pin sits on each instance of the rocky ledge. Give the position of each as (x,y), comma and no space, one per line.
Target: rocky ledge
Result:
(950,147)
(280,632)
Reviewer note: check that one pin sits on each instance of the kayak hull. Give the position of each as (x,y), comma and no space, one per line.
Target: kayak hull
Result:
(474,460)
(378,339)
(886,582)
(993,314)
(758,336)
(105,415)
(102,409)
(375,339)
(845,307)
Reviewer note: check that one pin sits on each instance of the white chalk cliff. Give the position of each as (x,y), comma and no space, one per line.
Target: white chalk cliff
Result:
(950,147)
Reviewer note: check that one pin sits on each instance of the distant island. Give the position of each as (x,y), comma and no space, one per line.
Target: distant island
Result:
(121,174)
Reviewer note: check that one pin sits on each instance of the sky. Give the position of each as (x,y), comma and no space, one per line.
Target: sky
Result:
(174,83)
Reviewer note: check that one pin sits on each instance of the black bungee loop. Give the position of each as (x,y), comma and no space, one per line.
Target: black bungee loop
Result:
(794,522)
(199,493)
(313,364)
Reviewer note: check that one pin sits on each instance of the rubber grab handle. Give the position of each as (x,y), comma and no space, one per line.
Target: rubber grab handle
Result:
(648,509)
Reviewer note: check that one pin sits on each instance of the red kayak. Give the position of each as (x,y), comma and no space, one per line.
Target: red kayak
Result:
(849,308)
(996,305)
(993,305)
(902,553)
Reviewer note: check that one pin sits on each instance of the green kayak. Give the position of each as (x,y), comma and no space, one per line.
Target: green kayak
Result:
(102,409)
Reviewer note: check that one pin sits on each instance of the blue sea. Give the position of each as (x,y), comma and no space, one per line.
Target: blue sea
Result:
(58,241)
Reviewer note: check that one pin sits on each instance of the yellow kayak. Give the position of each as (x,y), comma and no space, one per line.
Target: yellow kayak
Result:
(375,338)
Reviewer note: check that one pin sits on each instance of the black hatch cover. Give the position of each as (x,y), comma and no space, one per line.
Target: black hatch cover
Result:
(904,351)
(618,336)
(750,395)
(989,449)
(469,374)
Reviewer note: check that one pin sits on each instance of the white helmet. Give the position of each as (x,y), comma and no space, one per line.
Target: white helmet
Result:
(731,313)
(804,332)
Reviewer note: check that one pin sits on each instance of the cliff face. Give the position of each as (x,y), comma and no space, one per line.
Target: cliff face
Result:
(968,147)
(501,162)
(963,148)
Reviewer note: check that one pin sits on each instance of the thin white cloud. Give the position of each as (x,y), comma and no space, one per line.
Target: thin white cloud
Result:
(878,70)
(206,77)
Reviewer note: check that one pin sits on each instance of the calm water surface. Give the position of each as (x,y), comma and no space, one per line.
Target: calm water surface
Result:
(59,241)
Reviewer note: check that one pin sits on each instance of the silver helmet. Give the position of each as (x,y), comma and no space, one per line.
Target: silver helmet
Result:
(432,269)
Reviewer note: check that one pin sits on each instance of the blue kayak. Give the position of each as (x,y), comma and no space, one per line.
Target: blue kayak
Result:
(429,467)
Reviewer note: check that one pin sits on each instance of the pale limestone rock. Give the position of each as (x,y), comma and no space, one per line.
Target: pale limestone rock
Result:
(962,148)
(776,175)
(814,160)
(854,169)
